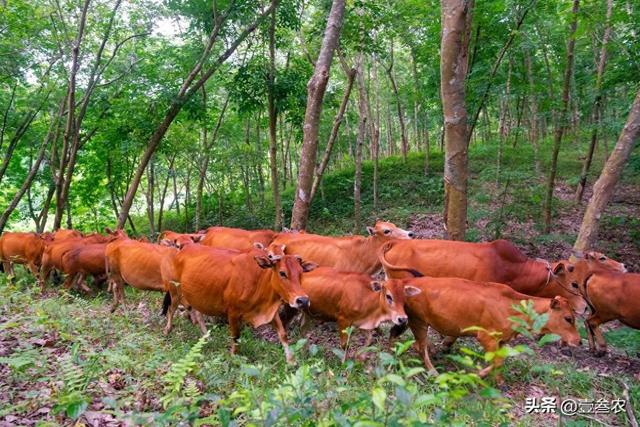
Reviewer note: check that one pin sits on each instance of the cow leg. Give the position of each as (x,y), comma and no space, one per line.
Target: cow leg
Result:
(175,301)
(594,324)
(367,342)
(117,286)
(421,333)
(590,337)
(70,280)
(282,335)
(199,318)
(45,271)
(234,330)
(81,283)
(490,344)
(447,343)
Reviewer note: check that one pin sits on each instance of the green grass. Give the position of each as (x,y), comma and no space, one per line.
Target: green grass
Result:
(121,360)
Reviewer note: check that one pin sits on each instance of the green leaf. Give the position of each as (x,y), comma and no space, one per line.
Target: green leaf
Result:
(379,396)
(548,338)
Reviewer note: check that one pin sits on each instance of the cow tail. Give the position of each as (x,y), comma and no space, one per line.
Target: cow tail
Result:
(388,266)
(166,303)
(397,330)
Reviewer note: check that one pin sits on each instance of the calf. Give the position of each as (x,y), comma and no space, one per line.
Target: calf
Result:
(22,248)
(82,261)
(498,261)
(451,306)
(610,296)
(236,238)
(353,299)
(244,286)
(348,253)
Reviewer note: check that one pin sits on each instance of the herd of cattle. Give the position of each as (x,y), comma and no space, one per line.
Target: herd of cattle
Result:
(456,288)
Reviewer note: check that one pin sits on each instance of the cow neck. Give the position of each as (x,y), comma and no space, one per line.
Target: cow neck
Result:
(264,301)
(366,252)
(533,276)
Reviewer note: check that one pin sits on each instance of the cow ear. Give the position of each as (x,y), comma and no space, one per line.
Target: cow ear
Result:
(198,238)
(308,266)
(263,262)
(371,231)
(589,256)
(375,286)
(411,291)
(258,245)
(555,303)
(578,254)
(559,268)
(166,242)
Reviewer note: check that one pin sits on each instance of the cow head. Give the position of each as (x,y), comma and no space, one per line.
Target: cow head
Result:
(179,241)
(388,230)
(562,321)
(285,274)
(392,298)
(598,261)
(563,282)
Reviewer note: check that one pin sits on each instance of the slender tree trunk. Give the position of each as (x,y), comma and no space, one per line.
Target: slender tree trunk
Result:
(533,111)
(165,188)
(562,120)
(597,105)
(605,186)
(315,94)
(273,120)
(333,136)
(403,131)
(456,19)
(362,129)
(151,184)
(33,171)
(189,87)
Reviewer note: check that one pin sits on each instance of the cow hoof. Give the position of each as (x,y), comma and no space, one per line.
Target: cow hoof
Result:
(600,353)
(566,352)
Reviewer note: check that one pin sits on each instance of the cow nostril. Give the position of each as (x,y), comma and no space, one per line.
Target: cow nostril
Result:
(302,302)
(402,320)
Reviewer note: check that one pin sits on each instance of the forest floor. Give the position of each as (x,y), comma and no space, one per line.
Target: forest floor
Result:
(65,357)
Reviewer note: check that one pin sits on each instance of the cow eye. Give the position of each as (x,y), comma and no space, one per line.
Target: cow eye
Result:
(569,319)
(389,299)
(387,231)
(574,284)
(283,274)
(603,258)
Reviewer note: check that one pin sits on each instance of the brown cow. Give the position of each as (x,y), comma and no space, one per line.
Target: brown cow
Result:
(451,306)
(85,260)
(55,250)
(348,253)
(171,238)
(353,299)
(22,248)
(610,294)
(247,286)
(498,261)
(136,263)
(236,238)
(65,234)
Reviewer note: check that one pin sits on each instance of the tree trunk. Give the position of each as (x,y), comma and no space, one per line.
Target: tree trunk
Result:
(562,120)
(333,136)
(273,118)
(165,188)
(151,185)
(33,171)
(533,111)
(315,94)
(403,131)
(453,70)
(597,105)
(605,186)
(187,90)
(362,129)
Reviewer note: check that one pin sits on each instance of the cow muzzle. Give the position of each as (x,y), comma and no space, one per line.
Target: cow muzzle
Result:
(302,302)
(401,320)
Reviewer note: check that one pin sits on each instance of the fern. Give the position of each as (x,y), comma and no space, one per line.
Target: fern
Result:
(175,378)
(72,400)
